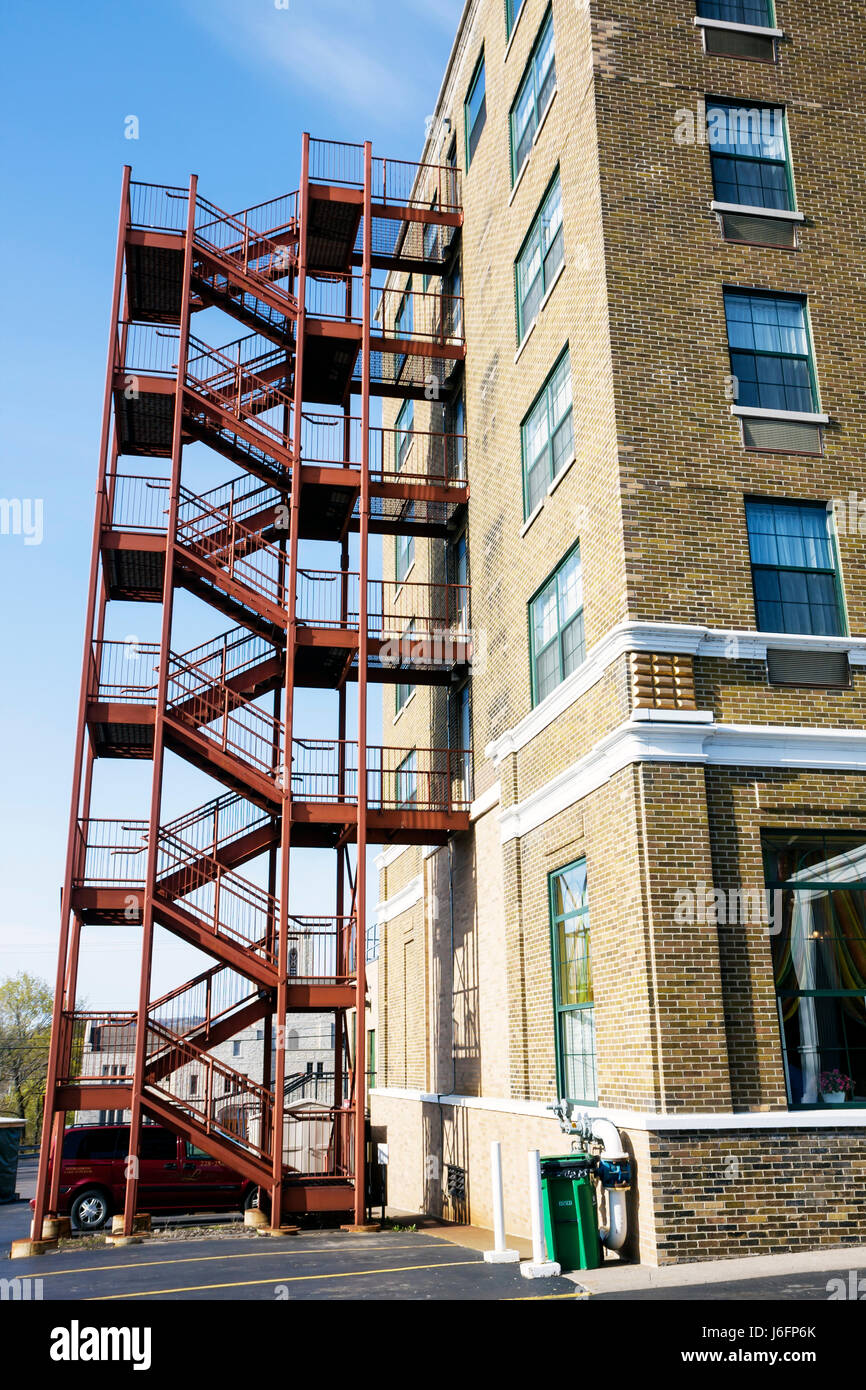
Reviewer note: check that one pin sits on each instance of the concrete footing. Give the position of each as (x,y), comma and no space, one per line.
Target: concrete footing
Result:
(23,1249)
(119,1241)
(254,1216)
(547,1269)
(501,1257)
(277,1230)
(56,1227)
(141,1224)
(363,1229)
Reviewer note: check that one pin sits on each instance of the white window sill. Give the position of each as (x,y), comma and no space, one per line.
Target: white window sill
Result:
(761,29)
(551,489)
(538,129)
(403,580)
(806,417)
(548,292)
(403,708)
(779,214)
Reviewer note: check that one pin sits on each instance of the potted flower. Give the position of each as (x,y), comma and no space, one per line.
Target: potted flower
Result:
(835,1086)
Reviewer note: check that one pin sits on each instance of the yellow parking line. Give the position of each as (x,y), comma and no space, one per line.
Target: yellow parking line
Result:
(203,1259)
(536,1297)
(291,1279)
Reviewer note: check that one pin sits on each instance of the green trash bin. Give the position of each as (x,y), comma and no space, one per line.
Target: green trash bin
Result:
(570,1217)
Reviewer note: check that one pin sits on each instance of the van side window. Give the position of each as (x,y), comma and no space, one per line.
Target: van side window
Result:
(157,1143)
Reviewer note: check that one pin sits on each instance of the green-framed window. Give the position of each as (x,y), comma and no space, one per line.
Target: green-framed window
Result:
(404,320)
(533,96)
(403,691)
(547,434)
(771,351)
(512,13)
(475,109)
(540,258)
(405,427)
(817,885)
(794,568)
(757,12)
(556,627)
(572,984)
(404,548)
(749,154)
(407,780)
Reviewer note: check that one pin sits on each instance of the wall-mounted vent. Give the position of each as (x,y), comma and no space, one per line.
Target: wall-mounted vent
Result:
(455,1179)
(730,43)
(824,670)
(782,436)
(759,231)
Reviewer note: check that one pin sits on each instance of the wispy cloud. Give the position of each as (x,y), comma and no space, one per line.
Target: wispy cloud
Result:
(357,53)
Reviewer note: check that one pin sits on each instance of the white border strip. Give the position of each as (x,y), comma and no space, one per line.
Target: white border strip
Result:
(761,29)
(681,639)
(401,902)
(775,214)
(648,740)
(645,1120)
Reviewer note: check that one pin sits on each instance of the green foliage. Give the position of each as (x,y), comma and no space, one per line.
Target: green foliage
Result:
(25,1030)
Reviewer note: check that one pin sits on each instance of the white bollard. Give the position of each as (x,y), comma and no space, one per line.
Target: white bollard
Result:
(539,1267)
(498,1255)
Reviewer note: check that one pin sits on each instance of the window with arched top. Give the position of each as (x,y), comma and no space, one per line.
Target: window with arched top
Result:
(293,961)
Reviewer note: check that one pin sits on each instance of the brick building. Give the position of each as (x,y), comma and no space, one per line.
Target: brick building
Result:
(659,912)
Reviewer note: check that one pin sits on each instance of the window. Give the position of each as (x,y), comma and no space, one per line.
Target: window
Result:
(157,1143)
(547,435)
(475,110)
(540,259)
(405,432)
(457,429)
(293,962)
(431,241)
(236,1049)
(403,690)
(404,548)
(407,780)
(572,984)
(463,722)
(512,12)
(193,1086)
(404,322)
(371,1056)
(452,310)
(757,12)
(749,155)
(556,627)
(771,355)
(533,97)
(459,567)
(817,901)
(794,568)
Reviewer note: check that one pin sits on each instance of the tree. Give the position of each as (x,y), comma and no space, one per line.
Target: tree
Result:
(25,1032)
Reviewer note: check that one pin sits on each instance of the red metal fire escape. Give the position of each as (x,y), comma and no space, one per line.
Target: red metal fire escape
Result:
(288,404)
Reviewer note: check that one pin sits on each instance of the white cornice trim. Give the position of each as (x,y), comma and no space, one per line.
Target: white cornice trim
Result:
(390,855)
(401,902)
(691,741)
(828,1118)
(682,639)
(485,802)
(776,214)
(763,30)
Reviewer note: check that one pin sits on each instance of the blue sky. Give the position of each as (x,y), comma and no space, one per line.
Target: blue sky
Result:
(222,88)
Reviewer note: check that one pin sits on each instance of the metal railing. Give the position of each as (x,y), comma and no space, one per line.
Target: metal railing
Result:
(408,779)
(394,181)
(137,503)
(124,672)
(404,315)
(158,207)
(216,537)
(93,1041)
(150,349)
(330,598)
(111,853)
(231,724)
(200,1003)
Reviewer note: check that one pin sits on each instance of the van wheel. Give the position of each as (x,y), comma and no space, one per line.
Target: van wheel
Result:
(90,1210)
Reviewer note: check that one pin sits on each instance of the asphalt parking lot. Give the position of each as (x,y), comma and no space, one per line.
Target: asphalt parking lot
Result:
(411,1266)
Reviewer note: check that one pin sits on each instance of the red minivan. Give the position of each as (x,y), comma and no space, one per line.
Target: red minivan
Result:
(174,1176)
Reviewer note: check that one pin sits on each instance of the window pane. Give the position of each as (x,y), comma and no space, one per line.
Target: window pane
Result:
(475,112)
(755,12)
(577,1054)
(557,626)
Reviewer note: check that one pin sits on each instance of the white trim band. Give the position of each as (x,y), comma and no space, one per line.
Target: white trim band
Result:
(828,1118)
(401,902)
(685,741)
